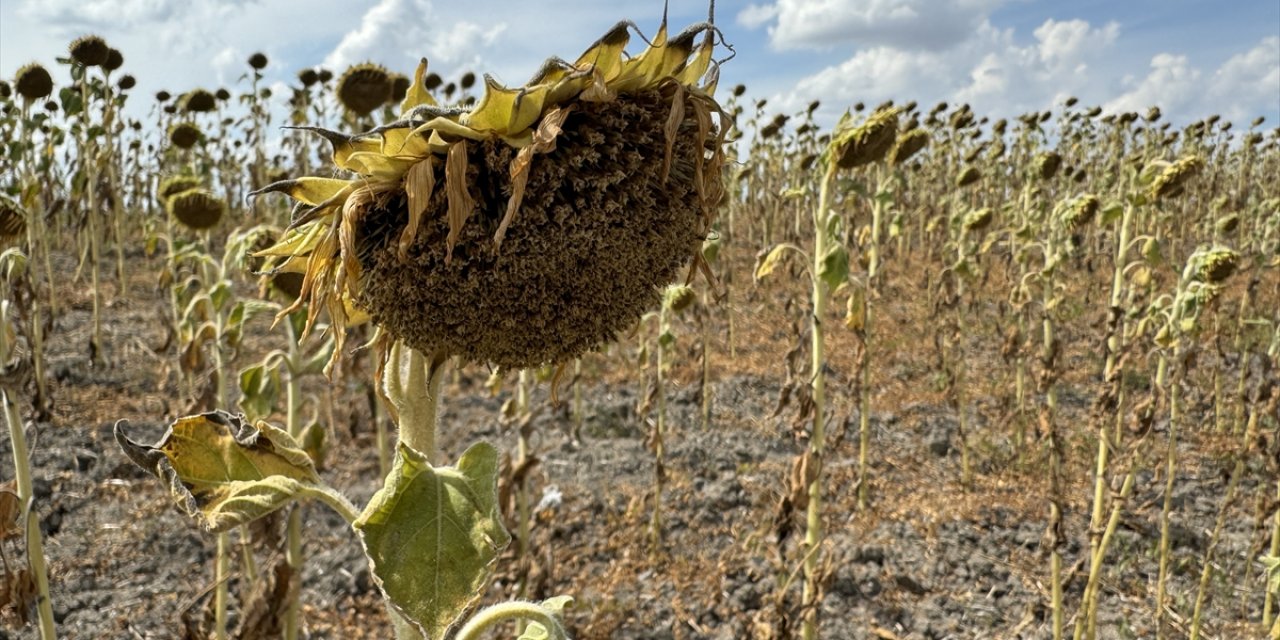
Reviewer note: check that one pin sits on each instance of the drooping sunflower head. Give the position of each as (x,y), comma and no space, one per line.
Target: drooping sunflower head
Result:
(33,82)
(531,227)
(364,87)
(196,208)
(89,51)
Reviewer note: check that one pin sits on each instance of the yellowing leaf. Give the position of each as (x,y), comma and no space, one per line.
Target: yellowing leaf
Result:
(432,534)
(770,261)
(222,471)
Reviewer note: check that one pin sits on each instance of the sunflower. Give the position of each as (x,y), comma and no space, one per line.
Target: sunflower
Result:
(531,227)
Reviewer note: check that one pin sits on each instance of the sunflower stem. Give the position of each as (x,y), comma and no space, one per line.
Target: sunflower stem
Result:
(22,477)
(813,530)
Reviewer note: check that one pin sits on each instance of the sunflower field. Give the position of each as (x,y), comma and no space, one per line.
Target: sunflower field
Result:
(622,352)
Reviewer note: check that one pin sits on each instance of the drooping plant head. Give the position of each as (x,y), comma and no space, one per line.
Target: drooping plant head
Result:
(33,82)
(867,142)
(364,87)
(531,227)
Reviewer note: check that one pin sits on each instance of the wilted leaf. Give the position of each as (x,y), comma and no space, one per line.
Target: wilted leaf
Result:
(222,471)
(770,261)
(432,533)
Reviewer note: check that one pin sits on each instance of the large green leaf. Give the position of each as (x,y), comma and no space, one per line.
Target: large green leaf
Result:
(222,471)
(431,535)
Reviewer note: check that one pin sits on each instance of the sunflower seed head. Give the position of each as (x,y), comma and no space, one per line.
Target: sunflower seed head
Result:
(258,61)
(364,87)
(199,101)
(33,82)
(679,297)
(184,135)
(89,51)
(969,176)
(196,208)
(978,220)
(907,145)
(114,60)
(1174,178)
(868,142)
(1047,164)
(173,185)
(1214,266)
(1080,211)
(1227,224)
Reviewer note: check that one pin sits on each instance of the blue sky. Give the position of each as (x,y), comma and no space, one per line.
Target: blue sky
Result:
(1004,57)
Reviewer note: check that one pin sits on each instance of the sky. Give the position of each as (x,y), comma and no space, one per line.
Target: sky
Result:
(1004,57)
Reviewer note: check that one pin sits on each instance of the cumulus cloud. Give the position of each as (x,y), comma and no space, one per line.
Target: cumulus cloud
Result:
(918,24)
(1251,78)
(1244,86)
(756,15)
(88,14)
(990,70)
(397,32)
(1172,84)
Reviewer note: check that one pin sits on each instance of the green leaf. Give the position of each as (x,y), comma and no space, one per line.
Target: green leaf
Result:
(259,390)
(556,606)
(834,269)
(222,471)
(431,535)
(1113,211)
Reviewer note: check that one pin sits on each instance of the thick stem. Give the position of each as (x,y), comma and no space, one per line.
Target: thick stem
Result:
(1171,465)
(1232,485)
(89,158)
(1095,564)
(659,433)
(293,531)
(1268,606)
(221,571)
(813,520)
(490,617)
(35,544)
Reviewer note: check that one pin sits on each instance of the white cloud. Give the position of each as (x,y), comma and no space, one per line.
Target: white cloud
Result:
(1172,84)
(990,70)
(1245,86)
(398,32)
(1252,79)
(756,15)
(917,24)
(90,14)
